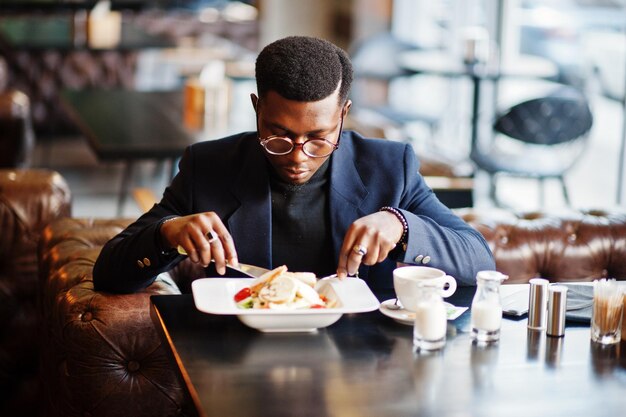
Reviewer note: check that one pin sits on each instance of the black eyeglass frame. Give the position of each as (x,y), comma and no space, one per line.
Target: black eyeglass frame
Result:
(294,145)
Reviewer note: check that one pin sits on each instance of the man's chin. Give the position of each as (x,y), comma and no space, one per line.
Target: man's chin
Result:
(296,178)
(298,182)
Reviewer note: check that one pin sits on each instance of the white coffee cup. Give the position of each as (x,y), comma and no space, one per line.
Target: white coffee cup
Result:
(408,279)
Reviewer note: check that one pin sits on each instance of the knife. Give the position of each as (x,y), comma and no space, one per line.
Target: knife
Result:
(241,271)
(246,270)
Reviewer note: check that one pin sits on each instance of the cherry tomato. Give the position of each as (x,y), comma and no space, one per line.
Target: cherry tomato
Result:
(242,294)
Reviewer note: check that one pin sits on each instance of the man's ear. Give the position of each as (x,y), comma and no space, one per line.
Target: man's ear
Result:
(346,108)
(255,101)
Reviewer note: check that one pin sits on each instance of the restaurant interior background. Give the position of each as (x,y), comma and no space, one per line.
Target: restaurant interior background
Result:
(580,43)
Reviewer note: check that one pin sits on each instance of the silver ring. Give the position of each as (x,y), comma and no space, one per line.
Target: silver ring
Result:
(212,237)
(359,250)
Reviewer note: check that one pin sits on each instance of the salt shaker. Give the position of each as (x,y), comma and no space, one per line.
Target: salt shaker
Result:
(537,303)
(557,303)
(487,307)
(429,329)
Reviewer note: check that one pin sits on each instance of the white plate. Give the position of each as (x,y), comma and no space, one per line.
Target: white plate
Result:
(407,317)
(352,295)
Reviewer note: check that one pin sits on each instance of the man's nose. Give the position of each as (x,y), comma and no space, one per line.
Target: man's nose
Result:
(297,154)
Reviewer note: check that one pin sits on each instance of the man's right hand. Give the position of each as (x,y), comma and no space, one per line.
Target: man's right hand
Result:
(203,237)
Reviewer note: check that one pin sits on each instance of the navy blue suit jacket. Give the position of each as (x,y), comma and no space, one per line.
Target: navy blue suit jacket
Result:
(230,177)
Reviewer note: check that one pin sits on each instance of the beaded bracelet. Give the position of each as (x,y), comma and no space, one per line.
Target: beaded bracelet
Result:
(160,244)
(405,225)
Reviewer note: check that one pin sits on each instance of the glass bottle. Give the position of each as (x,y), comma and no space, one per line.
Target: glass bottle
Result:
(429,330)
(487,307)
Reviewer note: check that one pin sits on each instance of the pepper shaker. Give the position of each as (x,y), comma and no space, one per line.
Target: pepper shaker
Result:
(557,303)
(537,303)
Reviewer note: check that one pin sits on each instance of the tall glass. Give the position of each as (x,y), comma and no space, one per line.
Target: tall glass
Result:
(429,330)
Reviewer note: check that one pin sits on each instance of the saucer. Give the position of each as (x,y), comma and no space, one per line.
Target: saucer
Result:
(407,317)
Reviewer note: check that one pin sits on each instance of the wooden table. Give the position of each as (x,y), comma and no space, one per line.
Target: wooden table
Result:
(131,126)
(364,365)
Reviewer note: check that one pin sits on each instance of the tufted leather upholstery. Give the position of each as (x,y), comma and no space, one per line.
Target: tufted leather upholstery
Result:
(16,132)
(560,117)
(103,349)
(43,74)
(29,200)
(564,246)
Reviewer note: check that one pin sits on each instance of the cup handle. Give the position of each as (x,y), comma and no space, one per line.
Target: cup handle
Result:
(451,286)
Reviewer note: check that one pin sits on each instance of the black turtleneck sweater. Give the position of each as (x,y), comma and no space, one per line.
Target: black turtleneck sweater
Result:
(301,237)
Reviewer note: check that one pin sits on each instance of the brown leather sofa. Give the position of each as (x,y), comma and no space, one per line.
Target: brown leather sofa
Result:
(103,356)
(29,200)
(560,246)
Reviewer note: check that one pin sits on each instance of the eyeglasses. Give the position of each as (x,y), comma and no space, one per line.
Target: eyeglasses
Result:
(314,148)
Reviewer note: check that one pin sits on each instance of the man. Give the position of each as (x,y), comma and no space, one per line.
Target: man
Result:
(299,192)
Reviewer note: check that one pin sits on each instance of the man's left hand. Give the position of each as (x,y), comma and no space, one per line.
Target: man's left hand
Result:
(369,241)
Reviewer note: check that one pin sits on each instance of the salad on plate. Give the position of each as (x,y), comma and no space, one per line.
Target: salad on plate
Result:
(280,289)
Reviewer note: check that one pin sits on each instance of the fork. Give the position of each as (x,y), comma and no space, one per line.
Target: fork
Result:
(394,306)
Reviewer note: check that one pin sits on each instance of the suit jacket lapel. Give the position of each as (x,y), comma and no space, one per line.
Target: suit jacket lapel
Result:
(251,188)
(347,191)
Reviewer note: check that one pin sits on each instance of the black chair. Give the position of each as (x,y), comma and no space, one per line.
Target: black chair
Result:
(541,138)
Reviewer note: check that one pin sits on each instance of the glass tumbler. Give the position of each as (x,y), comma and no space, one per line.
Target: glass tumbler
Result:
(429,331)
(606,317)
